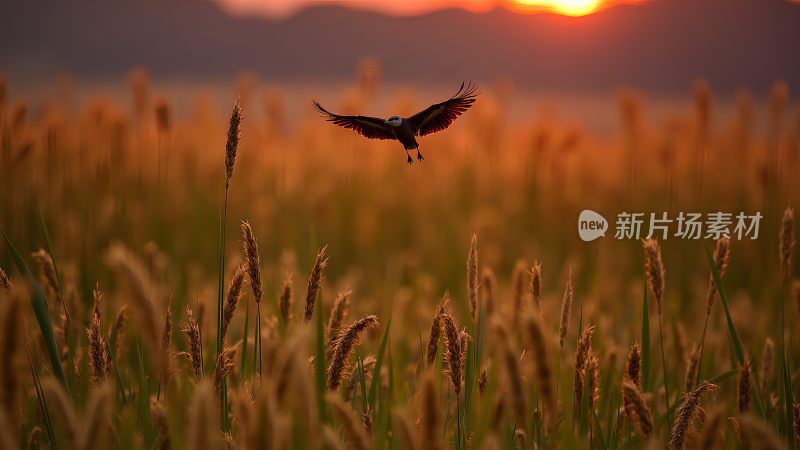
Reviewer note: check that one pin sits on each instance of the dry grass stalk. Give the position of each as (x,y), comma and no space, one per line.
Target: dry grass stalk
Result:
(232,144)
(195,354)
(223,366)
(635,407)
(252,260)
(143,292)
(536,285)
(436,331)
(633,365)
(287,298)
(582,352)
(489,285)
(654,270)
(163,441)
(787,243)
(744,386)
(721,256)
(99,357)
(430,414)
(202,430)
(687,413)
(543,374)
(314,282)
(593,383)
(5,282)
(357,436)
(345,344)
(232,297)
(472,277)
(566,310)
(767,365)
(692,365)
(97,419)
(757,435)
(452,351)
(339,312)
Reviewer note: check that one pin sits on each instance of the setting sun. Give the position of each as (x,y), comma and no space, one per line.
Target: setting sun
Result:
(566,7)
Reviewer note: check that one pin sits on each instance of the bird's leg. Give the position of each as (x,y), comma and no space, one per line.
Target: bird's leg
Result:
(419,155)
(410,161)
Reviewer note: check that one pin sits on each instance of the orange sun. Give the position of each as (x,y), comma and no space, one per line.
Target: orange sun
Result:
(566,7)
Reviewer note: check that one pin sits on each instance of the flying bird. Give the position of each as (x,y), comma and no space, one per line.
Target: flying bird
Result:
(434,118)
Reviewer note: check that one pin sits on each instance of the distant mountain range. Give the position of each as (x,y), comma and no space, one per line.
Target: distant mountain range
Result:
(660,45)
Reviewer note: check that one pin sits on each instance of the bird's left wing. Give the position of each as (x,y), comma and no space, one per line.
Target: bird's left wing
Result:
(439,116)
(369,127)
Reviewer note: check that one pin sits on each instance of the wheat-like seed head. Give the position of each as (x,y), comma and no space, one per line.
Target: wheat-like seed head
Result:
(536,285)
(339,312)
(744,387)
(654,270)
(687,413)
(252,260)
(692,365)
(636,408)
(287,298)
(452,351)
(314,282)
(345,344)
(566,310)
(5,282)
(633,365)
(472,277)
(436,330)
(721,257)
(581,356)
(195,354)
(232,144)
(767,366)
(233,296)
(787,243)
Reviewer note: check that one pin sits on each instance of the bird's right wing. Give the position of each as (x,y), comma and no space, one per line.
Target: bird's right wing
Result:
(369,127)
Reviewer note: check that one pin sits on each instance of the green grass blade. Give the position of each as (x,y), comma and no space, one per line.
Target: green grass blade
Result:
(737,342)
(39,302)
(376,372)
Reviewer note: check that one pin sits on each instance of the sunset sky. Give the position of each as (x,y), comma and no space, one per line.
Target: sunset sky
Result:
(282,7)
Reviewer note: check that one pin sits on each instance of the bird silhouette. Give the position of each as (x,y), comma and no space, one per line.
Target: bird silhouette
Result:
(434,118)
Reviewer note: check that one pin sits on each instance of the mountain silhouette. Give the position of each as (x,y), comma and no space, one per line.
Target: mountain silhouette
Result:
(660,45)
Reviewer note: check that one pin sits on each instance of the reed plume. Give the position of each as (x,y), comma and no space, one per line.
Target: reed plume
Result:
(787,243)
(195,354)
(635,407)
(252,260)
(452,351)
(287,298)
(743,388)
(232,144)
(633,365)
(314,282)
(345,344)
(543,375)
(472,277)
(232,297)
(566,311)
(99,358)
(339,312)
(581,357)
(436,331)
(489,285)
(223,366)
(687,413)
(536,285)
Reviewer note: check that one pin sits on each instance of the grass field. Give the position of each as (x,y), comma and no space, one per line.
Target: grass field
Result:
(254,279)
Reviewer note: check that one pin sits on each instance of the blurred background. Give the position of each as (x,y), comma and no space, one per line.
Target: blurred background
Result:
(113,117)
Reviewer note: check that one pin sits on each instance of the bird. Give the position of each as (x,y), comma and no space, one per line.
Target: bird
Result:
(432,119)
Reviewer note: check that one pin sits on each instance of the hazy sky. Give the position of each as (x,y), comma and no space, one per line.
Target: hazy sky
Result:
(281,7)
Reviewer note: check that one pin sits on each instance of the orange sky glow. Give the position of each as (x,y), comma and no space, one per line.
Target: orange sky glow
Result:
(405,7)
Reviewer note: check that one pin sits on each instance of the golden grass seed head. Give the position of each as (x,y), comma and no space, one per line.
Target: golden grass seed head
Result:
(636,408)
(345,344)
(252,260)
(287,298)
(566,310)
(472,277)
(232,143)
(233,296)
(536,285)
(633,365)
(654,270)
(686,414)
(315,281)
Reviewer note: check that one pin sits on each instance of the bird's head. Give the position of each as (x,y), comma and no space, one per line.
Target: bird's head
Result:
(394,121)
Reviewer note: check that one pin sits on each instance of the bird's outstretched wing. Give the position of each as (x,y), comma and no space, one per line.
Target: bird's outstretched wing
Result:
(369,127)
(439,116)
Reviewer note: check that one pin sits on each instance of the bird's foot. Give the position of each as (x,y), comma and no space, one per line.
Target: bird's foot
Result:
(410,161)
(419,156)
